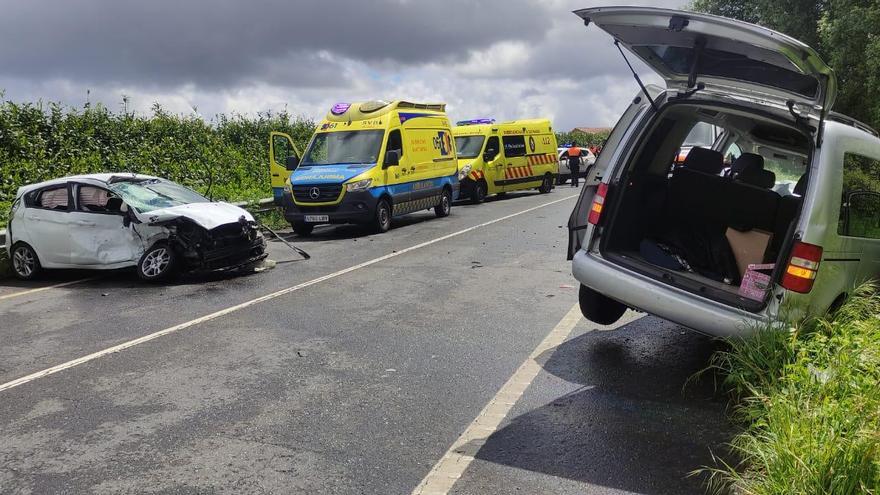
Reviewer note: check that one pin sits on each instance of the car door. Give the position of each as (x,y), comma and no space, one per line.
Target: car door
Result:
(47,219)
(99,232)
(514,162)
(281,147)
(399,175)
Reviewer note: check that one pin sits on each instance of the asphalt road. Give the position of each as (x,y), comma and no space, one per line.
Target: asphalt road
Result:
(355,375)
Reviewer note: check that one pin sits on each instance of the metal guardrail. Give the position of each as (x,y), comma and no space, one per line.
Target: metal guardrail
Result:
(264,204)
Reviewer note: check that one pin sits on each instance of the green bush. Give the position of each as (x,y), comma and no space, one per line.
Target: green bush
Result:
(809,405)
(226,158)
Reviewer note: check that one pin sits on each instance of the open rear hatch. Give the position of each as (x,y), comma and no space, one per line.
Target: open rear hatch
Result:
(728,56)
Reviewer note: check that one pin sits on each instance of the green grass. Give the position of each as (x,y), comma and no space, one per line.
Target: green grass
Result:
(808,401)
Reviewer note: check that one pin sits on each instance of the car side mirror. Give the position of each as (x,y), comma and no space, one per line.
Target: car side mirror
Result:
(392,157)
(291,163)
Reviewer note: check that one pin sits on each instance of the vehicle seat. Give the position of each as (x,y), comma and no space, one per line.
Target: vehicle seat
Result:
(695,189)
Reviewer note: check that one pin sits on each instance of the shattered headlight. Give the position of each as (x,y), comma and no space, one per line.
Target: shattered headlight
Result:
(359,185)
(464,171)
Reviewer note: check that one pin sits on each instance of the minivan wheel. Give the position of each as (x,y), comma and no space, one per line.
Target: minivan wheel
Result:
(445,206)
(157,263)
(302,229)
(599,308)
(382,222)
(546,184)
(478,193)
(25,263)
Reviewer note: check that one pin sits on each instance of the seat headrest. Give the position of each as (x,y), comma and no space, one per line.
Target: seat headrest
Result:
(757,177)
(704,160)
(747,162)
(801,187)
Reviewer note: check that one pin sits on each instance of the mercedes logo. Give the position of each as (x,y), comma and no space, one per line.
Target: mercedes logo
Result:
(314,193)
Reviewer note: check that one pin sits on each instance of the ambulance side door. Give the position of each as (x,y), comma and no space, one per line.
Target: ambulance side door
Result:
(280,148)
(493,164)
(396,175)
(514,148)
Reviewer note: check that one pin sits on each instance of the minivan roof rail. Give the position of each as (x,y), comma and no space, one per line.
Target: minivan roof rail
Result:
(843,119)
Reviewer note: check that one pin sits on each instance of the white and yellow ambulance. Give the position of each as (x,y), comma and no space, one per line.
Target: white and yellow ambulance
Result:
(502,157)
(368,162)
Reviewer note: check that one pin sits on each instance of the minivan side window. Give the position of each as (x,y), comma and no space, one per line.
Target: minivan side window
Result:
(860,204)
(514,146)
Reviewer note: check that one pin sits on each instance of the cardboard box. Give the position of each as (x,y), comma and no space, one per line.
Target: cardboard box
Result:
(748,247)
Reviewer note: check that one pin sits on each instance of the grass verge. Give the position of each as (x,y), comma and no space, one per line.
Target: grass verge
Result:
(809,404)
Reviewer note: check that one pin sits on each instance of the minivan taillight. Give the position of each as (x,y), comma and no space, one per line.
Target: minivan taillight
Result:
(803,265)
(598,203)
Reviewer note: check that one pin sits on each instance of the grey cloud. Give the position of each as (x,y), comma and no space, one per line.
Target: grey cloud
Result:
(223,42)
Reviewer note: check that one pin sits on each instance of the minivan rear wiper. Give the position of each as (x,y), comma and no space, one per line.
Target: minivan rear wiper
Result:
(635,75)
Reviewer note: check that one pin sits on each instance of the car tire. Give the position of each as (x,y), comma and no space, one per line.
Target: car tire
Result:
(445,206)
(546,184)
(302,229)
(382,222)
(157,263)
(25,263)
(478,193)
(599,308)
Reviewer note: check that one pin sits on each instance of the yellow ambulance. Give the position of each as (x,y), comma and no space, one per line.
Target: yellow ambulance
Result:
(497,158)
(368,162)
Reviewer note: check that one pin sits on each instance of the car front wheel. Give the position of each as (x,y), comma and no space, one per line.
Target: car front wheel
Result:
(157,263)
(445,207)
(25,264)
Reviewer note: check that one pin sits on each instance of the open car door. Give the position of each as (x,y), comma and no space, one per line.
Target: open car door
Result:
(725,55)
(281,147)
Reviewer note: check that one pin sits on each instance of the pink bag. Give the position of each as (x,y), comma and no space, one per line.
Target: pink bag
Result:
(756,281)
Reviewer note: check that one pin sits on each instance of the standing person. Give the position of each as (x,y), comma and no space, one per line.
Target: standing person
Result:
(574,163)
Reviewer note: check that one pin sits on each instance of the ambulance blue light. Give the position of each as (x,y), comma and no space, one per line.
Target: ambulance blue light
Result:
(475,122)
(340,108)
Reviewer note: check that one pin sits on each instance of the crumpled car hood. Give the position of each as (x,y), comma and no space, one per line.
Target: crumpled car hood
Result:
(207,215)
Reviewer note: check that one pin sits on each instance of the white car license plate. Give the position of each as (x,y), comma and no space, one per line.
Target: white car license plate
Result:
(317,218)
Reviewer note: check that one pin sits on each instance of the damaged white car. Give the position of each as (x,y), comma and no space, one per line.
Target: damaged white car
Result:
(109,221)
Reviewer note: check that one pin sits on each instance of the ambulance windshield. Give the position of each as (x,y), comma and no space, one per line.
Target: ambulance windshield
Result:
(343,147)
(469,146)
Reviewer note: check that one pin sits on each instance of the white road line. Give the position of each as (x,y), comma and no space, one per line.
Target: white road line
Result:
(455,461)
(41,289)
(267,297)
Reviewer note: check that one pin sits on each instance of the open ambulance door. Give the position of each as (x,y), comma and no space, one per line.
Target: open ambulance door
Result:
(283,158)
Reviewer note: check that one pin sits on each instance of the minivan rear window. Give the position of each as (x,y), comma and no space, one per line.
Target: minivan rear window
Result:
(727,65)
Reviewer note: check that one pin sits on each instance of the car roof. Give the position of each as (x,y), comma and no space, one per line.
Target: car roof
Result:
(97,179)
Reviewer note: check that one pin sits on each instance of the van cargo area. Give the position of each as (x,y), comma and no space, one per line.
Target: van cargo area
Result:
(698,218)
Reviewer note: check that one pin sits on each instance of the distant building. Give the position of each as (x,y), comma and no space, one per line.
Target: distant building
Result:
(592,130)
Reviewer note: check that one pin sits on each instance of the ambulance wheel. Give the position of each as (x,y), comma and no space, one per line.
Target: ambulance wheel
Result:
(382,223)
(445,207)
(25,263)
(546,184)
(599,308)
(478,192)
(302,229)
(157,263)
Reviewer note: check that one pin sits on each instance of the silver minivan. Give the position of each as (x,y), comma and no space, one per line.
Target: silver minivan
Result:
(778,218)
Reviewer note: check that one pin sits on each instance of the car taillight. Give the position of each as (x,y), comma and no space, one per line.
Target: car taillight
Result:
(803,265)
(598,203)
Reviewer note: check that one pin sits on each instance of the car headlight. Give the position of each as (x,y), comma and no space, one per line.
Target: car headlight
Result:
(287,187)
(464,171)
(359,185)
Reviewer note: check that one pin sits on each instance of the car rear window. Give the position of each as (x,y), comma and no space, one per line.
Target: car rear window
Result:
(52,199)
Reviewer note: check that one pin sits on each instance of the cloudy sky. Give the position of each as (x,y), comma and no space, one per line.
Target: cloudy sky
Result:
(502,59)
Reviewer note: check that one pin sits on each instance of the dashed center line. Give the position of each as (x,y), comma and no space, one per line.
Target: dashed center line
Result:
(48,287)
(456,460)
(232,309)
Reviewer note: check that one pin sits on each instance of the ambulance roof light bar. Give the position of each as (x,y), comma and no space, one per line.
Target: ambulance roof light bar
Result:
(475,122)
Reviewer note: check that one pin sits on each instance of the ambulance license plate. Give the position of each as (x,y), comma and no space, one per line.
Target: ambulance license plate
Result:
(317,218)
